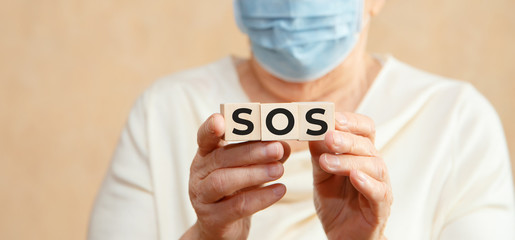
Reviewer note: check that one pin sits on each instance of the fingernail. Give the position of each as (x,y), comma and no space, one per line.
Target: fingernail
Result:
(337,139)
(332,162)
(361,177)
(272,150)
(278,191)
(340,118)
(274,171)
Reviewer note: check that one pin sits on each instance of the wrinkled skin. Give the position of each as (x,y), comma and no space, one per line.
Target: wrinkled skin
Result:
(225,184)
(352,190)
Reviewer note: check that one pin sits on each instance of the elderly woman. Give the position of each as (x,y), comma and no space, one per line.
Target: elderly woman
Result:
(434,145)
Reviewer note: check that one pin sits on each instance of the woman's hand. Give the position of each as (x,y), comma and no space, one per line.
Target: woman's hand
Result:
(225,182)
(352,190)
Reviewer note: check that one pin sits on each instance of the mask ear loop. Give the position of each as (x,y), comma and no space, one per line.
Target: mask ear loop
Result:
(364,18)
(365,21)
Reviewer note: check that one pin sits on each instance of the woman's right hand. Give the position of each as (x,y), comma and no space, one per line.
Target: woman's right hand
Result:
(225,185)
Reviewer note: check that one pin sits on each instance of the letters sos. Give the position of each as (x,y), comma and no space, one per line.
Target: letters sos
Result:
(305,121)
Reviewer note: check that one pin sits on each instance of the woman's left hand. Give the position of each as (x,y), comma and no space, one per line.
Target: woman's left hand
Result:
(352,190)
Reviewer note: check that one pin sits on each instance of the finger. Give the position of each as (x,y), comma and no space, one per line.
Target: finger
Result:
(209,135)
(236,155)
(378,194)
(286,151)
(226,181)
(247,203)
(343,164)
(355,123)
(317,148)
(348,143)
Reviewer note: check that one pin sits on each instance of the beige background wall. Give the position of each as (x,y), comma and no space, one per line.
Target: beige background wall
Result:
(71,69)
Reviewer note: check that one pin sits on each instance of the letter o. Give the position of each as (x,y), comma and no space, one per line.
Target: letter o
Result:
(270,125)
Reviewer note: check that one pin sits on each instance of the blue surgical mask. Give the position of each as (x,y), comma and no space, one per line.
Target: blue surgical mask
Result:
(300,40)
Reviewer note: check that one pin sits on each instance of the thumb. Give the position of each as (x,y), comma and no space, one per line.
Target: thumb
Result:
(287,151)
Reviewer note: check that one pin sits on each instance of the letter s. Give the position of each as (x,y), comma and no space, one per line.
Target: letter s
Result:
(236,118)
(321,123)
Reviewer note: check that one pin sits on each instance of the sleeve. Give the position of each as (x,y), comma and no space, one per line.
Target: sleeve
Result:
(125,206)
(480,189)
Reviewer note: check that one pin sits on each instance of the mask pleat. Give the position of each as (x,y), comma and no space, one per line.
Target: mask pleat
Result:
(284,39)
(293,8)
(296,24)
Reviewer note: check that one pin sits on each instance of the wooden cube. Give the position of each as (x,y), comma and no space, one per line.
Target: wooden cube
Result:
(242,121)
(317,118)
(279,121)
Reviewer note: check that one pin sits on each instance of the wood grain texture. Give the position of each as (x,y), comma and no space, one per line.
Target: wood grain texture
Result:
(71,69)
(279,117)
(327,117)
(252,118)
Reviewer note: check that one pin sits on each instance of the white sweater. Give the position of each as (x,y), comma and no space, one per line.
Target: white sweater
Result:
(442,141)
